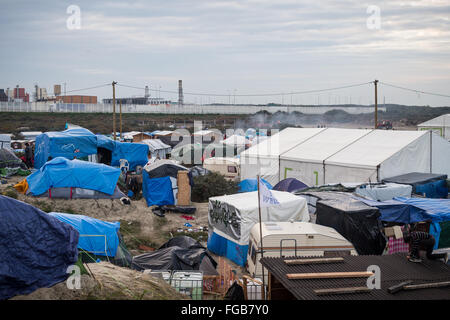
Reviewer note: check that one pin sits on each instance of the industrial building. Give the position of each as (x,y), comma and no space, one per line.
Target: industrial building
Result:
(77,99)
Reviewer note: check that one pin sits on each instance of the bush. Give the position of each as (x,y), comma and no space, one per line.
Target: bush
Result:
(212,185)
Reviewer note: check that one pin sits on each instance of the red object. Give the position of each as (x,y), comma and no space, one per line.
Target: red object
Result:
(397,245)
(187,217)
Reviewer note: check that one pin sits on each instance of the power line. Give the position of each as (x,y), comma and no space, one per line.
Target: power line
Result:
(416,91)
(252,95)
(96,87)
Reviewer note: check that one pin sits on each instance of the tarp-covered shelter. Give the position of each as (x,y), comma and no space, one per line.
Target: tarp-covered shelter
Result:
(157,148)
(135,153)
(290,185)
(35,248)
(231,218)
(318,156)
(249,185)
(428,184)
(9,160)
(358,222)
(179,253)
(70,144)
(63,173)
(439,125)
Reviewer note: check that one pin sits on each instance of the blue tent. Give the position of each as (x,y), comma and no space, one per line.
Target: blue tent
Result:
(69,144)
(96,236)
(135,153)
(157,191)
(290,185)
(35,249)
(61,173)
(437,209)
(249,185)
(105,142)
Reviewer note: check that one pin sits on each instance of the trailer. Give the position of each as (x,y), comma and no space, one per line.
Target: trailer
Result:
(294,239)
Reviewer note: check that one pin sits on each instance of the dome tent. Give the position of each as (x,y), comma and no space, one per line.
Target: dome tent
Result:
(290,185)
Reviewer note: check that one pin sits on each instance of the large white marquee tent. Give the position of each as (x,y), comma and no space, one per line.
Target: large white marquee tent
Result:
(440,125)
(318,156)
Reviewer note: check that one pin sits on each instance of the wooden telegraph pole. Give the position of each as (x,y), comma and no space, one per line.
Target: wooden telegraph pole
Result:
(120,119)
(114,108)
(376,103)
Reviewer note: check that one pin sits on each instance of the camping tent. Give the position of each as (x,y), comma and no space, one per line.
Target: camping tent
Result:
(9,160)
(179,253)
(35,248)
(231,218)
(63,173)
(236,140)
(290,185)
(5,141)
(332,155)
(70,144)
(249,185)
(157,148)
(439,125)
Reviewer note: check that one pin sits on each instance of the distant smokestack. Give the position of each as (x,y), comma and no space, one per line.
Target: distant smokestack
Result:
(180,93)
(147,94)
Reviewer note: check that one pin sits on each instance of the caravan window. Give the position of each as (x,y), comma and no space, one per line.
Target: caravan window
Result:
(232,169)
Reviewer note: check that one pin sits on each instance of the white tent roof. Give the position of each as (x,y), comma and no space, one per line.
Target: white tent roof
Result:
(324,145)
(441,121)
(281,142)
(236,140)
(374,148)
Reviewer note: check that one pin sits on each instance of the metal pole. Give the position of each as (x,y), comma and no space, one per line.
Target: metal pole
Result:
(114,108)
(376,103)
(261,242)
(120,119)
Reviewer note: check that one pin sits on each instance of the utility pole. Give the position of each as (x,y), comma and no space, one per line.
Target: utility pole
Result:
(120,119)
(114,108)
(376,103)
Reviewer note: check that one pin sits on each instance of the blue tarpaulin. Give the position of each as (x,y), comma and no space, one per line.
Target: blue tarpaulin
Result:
(96,236)
(61,173)
(396,211)
(105,142)
(437,209)
(35,248)
(249,185)
(135,153)
(69,144)
(157,191)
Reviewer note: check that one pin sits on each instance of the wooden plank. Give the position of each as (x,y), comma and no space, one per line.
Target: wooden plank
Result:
(329,275)
(323,292)
(398,287)
(314,261)
(427,285)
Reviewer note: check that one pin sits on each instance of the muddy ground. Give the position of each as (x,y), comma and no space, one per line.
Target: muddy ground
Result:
(141,229)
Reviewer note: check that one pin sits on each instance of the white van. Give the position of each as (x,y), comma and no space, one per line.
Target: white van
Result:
(289,239)
(229,167)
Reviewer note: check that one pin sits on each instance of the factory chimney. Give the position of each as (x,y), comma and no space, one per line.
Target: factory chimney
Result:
(180,93)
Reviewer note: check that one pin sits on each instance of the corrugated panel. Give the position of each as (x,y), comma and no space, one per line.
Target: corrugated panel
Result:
(394,270)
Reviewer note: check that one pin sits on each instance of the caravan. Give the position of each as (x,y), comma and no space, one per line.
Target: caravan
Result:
(300,239)
(229,167)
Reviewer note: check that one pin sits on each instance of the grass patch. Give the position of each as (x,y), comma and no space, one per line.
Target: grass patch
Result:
(200,236)
(44,206)
(131,231)
(10,192)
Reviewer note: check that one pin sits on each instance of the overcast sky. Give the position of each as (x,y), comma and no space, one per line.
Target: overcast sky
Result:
(231,47)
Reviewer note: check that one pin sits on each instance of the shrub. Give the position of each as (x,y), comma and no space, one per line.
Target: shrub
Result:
(212,185)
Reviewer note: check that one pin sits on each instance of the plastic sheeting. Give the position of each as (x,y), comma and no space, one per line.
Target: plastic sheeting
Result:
(9,160)
(231,218)
(437,209)
(80,193)
(96,236)
(157,191)
(60,173)
(357,222)
(70,144)
(179,253)
(135,153)
(383,192)
(249,185)
(432,185)
(35,248)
